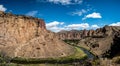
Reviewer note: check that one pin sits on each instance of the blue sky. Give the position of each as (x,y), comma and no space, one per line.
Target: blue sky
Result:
(67,14)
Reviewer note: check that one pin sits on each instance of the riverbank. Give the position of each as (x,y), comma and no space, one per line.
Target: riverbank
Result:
(77,56)
(81,56)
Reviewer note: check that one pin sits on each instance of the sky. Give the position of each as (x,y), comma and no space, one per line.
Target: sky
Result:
(67,14)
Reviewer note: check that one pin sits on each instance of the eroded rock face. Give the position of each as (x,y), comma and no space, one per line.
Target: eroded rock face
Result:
(102,41)
(22,36)
(75,34)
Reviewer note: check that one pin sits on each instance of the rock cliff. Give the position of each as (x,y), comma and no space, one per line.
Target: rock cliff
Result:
(25,36)
(102,41)
(75,34)
(105,42)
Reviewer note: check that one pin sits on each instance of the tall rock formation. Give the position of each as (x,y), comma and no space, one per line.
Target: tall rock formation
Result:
(75,34)
(24,36)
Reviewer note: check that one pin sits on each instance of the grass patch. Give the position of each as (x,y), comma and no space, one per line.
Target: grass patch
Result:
(13,64)
(75,42)
(71,41)
(116,60)
(77,56)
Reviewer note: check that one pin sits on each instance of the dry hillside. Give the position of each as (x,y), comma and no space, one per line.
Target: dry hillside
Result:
(23,36)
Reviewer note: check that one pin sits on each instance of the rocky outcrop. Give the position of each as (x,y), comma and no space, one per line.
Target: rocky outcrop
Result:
(75,34)
(24,36)
(20,27)
(105,41)
(80,34)
(102,41)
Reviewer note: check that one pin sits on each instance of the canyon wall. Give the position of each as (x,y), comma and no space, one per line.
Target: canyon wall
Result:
(20,27)
(25,36)
(80,34)
(75,34)
(102,41)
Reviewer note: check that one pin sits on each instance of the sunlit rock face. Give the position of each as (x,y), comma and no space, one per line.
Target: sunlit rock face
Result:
(25,36)
(75,34)
(102,41)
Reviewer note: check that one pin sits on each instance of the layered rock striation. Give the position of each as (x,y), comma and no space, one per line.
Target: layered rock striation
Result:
(25,36)
(75,34)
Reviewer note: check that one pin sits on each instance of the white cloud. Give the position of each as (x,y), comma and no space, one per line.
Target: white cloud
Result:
(56,29)
(2,8)
(115,24)
(55,26)
(32,13)
(78,1)
(93,15)
(79,13)
(94,26)
(78,26)
(65,2)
